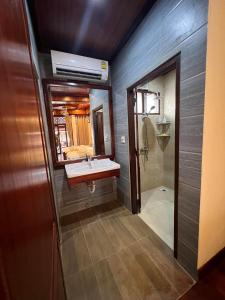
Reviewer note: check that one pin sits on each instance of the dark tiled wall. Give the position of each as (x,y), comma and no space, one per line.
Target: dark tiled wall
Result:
(171,26)
(79,198)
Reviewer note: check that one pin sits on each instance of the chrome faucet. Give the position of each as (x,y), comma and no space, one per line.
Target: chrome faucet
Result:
(89,159)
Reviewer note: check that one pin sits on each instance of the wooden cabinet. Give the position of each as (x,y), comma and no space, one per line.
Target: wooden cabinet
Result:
(28,242)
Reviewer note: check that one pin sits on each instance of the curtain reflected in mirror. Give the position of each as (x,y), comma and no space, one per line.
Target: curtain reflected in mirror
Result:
(81,122)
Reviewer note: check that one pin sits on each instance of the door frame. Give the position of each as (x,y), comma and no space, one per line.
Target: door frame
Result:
(171,64)
(94,119)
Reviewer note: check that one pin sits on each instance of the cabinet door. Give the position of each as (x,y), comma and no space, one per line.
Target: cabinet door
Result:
(26,211)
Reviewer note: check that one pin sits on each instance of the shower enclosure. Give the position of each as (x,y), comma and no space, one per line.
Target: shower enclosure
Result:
(153,133)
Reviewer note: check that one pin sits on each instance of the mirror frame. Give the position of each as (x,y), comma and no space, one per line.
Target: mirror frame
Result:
(67,82)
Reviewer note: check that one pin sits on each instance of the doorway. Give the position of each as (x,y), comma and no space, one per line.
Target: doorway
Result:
(153,120)
(98,126)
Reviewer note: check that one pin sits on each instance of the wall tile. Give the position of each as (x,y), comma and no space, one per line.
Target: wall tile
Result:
(191,134)
(188,203)
(190,169)
(188,232)
(169,28)
(188,259)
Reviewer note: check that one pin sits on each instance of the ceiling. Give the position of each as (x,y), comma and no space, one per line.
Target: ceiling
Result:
(73,100)
(95,28)
(62,90)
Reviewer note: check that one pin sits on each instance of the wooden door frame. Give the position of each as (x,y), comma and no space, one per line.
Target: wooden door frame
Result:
(68,82)
(171,64)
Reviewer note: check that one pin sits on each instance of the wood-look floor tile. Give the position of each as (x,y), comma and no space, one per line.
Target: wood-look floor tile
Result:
(167,264)
(115,255)
(75,287)
(81,250)
(124,281)
(136,226)
(68,254)
(106,282)
(118,234)
(82,286)
(142,282)
(99,245)
(154,274)
(75,252)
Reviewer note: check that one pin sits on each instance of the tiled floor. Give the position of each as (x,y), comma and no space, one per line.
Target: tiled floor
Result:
(157,211)
(108,253)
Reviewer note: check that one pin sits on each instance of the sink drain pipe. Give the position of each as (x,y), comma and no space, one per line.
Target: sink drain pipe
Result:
(91,186)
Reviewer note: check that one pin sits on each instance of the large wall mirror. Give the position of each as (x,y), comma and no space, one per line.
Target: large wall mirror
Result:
(80,120)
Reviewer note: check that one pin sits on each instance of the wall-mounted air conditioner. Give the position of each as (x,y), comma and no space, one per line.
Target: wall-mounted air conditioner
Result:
(79,67)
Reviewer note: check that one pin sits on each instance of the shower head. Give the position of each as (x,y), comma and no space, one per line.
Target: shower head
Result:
(152,107)
(147,114)
(145,117)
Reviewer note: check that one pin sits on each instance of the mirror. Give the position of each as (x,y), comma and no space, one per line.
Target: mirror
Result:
(80,120)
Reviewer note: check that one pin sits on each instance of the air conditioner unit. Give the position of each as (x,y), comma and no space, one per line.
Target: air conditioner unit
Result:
(79,67)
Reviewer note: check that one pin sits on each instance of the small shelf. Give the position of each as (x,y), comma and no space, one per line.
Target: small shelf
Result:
(163,135)
(163,123)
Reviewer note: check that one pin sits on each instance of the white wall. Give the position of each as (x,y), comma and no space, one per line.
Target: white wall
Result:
(97,98)
(152,169)
(212,204)
(159,169)
(169,112)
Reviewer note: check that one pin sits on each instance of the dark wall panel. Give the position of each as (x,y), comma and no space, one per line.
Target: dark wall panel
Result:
(77,198)
(172,26)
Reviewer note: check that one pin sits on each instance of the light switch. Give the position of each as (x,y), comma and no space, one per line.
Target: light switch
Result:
(123,139)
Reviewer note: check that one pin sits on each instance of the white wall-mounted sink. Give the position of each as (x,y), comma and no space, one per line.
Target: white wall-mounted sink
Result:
(91,170)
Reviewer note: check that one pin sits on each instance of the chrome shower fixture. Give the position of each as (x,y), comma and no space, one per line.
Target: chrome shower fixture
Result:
(147,114)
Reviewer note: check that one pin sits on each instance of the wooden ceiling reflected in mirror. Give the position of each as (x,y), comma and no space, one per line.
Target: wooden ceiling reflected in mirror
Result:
(80,120)
(70,100)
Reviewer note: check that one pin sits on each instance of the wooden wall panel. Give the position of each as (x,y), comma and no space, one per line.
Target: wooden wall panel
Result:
(26,210)
(170,27)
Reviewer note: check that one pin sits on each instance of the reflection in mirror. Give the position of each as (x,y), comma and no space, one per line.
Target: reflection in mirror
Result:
(81,121)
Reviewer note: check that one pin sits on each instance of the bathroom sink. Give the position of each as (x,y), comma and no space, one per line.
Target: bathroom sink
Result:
(91,170)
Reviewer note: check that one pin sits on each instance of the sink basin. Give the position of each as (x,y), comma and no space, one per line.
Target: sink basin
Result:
(92,170)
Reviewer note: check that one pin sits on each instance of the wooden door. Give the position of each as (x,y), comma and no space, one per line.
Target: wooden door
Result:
(98,124)
(100,135)
(26,209)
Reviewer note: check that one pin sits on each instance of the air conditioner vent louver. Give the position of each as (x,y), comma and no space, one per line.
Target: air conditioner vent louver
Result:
(78,74)
(79,67)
